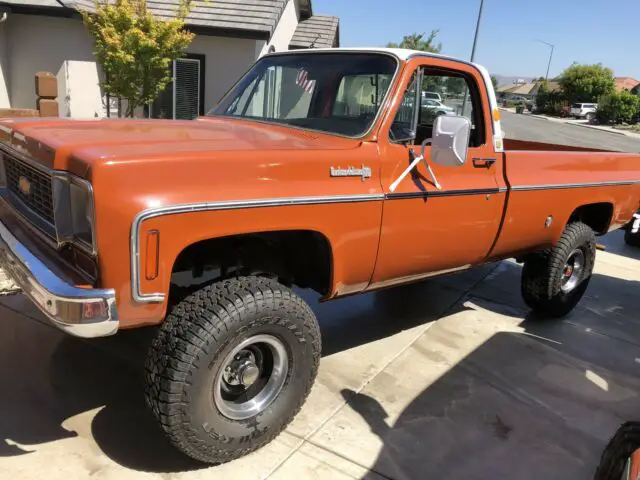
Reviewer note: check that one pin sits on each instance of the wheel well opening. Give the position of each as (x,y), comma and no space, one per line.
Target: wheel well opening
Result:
(295,258)
(596,215)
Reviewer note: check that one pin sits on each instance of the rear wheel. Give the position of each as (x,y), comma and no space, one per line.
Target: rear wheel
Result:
(632,239)
(590,116)
(231,366)
(554,280)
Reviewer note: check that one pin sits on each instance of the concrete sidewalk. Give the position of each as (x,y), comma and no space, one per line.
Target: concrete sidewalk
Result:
(449,378)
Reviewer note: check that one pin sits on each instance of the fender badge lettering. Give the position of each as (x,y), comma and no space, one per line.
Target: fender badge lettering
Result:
(364,172)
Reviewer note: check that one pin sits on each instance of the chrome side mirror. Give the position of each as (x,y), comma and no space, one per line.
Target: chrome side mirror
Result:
(449,147)
(450,140)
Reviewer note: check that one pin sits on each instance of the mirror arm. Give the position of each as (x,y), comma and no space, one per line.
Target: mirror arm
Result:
(433,175)
(417,159)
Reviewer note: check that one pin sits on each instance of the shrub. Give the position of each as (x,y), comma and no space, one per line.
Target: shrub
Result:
(550,102)
(618,107)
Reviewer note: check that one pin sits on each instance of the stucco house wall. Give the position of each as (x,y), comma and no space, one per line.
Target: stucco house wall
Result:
(56,40)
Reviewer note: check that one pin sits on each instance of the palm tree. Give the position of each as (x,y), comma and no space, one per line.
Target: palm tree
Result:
(416,41)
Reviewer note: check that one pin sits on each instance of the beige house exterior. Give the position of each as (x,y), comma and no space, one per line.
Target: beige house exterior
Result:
(48,35)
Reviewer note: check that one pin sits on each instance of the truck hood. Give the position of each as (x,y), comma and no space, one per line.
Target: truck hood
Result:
(76,145)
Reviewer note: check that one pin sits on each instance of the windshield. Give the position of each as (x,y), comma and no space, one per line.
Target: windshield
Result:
(337,93)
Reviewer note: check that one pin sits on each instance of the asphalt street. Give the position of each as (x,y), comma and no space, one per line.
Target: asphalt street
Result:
(525,127)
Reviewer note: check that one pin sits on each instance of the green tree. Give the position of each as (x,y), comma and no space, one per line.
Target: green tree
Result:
(135,49)
(586,83)
(548,101)
(494,81)
(416,41)
(455,85)
(618,107)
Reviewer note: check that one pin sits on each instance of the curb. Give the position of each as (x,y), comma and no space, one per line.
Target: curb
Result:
(592,127)
(611,130)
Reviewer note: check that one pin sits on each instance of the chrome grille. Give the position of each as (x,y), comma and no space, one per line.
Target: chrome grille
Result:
(30,185)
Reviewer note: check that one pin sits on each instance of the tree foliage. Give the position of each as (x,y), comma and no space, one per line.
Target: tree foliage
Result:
(550,101)
(617,107)
(455,85)
(417,41)
(135,49)
(494,81)
(586,83)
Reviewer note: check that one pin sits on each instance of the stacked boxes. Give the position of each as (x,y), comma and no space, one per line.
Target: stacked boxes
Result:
(47,91)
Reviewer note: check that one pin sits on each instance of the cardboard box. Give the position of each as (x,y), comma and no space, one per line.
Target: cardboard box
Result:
(46,85)
(48,107)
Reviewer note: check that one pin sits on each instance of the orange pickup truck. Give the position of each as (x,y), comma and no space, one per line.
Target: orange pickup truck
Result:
(321,169)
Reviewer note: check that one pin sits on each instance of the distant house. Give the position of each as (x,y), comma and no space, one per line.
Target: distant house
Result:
(626,83)
(527,91)
(48,35)
(523,90)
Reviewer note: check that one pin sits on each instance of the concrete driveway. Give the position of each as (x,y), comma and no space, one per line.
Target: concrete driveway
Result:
(445,379)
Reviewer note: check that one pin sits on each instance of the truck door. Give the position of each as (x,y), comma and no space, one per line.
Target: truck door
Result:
(426,230)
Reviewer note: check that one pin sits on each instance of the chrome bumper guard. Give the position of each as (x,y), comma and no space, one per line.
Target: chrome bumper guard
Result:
(81,312)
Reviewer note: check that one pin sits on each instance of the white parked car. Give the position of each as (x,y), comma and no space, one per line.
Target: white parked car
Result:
(437,107)
(584,110)
(431,96)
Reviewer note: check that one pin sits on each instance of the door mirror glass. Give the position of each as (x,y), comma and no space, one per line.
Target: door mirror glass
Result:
(450,140)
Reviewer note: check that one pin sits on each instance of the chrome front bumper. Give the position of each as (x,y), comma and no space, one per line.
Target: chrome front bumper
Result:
(86,313)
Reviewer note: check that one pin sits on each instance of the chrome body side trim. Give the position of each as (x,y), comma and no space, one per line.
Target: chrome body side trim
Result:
(225,205)
(62,303)
(559,186)
(444,193)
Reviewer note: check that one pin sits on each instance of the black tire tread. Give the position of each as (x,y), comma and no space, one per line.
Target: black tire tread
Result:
(186,334)
(612,461)
(541,269)
(632,239)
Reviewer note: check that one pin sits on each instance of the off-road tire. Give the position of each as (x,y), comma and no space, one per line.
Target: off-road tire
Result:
(621,446)
(188,352)
(542,273)
(632,239)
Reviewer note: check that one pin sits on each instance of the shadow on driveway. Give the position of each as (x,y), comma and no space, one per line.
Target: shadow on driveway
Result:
(537,402)
(67,387)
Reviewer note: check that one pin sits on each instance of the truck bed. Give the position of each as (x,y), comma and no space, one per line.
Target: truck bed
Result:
(548,184)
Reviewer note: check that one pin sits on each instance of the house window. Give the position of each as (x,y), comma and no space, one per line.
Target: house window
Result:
(182,99)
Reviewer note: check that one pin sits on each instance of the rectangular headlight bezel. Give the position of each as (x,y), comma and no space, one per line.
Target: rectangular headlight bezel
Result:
(70,210)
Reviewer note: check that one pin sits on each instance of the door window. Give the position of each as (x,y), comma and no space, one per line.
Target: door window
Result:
(443,92)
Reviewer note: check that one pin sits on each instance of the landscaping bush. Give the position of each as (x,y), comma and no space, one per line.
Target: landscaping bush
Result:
(550,102)
(618,107)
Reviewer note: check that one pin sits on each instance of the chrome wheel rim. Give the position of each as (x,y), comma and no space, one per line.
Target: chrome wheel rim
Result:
(251,377)
(572,271)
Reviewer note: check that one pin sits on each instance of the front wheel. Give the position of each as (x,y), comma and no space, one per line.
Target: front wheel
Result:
(554,280)
(620,459)
(231,366)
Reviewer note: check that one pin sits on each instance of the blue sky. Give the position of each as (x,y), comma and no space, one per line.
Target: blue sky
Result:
(586,31)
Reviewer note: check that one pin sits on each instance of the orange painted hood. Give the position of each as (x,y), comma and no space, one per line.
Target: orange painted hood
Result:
(77,145)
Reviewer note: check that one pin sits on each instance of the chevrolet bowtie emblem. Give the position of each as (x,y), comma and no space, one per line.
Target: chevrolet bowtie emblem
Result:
(24,185)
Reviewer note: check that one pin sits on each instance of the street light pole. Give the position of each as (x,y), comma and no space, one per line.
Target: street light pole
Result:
(550,56)
(475,37)
(473,53)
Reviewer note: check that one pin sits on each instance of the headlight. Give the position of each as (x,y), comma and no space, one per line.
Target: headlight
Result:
(74,211)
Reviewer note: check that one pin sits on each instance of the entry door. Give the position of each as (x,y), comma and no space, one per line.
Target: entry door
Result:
(426,230)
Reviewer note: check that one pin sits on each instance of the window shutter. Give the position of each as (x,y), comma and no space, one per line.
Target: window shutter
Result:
(186,88)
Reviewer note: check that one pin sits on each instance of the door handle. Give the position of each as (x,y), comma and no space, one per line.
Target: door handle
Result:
(483,162)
